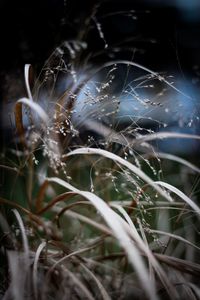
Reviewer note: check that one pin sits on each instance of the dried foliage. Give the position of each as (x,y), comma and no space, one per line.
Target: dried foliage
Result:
(92,208)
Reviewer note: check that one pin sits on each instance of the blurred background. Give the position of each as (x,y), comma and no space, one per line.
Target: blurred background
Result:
(168,31)
(163,36)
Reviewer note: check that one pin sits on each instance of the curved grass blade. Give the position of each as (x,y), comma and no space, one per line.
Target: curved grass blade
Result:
(101,288)
(123,162)
(185,198)
(165,135)
(175,236)
(27,75)
(23,233)
(84,219)
(34,106)
(35,266)
(173,158)
(115,222)
(131,229)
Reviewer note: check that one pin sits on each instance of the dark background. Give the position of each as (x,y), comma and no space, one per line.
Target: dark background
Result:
(162,35)
(167,31)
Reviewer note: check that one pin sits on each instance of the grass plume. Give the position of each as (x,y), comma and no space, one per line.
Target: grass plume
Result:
(92,208)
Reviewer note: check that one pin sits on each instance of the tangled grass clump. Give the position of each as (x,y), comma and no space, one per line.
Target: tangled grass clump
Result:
(91,208)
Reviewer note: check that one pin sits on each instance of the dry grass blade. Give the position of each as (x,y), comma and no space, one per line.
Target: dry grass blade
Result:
(158,204)
(19,264)
(26,211)
(108,133)
(102,290)
(84,219)
(126,216)
(123,162)
(34,106)
(151,270)
(181,195)
(40,196)
(35,266)
(195,289)
(19,123)
(122,139)
(81,288)
(6,233)
(66,257)
(27,71)
(115,222)
(174,236)
(182,265)
(130,227)
(19,116)
(23,233)
(185,286)
(173,158)
(62,197)
(165,135)
(16,277)
(68,207)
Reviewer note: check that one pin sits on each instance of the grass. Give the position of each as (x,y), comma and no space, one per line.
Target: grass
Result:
(91,209)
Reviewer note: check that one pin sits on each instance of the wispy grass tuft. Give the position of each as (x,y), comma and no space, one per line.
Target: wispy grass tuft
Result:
(98,210)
